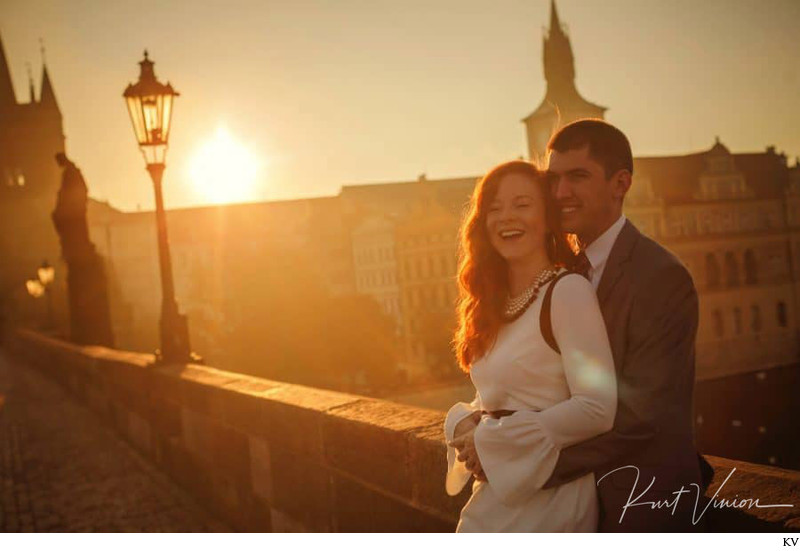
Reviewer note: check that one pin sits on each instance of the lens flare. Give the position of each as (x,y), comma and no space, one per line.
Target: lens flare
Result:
(223,170)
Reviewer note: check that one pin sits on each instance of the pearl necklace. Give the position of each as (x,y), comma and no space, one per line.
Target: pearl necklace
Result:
(515,306)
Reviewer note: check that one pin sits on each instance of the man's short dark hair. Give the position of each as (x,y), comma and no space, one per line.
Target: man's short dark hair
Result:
(607,144)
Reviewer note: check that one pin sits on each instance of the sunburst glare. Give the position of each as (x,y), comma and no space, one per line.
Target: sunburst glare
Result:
(223,170)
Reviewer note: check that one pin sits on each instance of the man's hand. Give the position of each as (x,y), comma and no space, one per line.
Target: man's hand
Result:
(465,444)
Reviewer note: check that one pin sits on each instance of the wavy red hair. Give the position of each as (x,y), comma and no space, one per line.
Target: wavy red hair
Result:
(483,273)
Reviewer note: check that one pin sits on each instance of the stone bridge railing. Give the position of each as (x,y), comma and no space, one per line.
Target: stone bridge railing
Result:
(272,456)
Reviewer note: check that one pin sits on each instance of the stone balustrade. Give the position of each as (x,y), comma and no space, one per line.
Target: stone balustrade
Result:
(274,456)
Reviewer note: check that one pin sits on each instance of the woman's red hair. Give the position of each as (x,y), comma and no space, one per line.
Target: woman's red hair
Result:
(483,273)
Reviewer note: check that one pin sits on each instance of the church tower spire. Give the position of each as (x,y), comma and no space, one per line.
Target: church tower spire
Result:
(47,97)
(559,64)
(562,103)
(7,97)
(31,93)
(30,136)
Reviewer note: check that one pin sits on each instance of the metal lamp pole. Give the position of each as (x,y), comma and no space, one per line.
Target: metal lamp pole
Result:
(46,275)
(150,107)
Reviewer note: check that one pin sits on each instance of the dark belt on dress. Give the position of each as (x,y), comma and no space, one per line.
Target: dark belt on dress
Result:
(498,413)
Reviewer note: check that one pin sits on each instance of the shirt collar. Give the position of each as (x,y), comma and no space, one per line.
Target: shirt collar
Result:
(598,250)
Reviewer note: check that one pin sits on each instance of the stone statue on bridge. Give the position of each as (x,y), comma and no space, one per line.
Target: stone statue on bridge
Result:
(87,288)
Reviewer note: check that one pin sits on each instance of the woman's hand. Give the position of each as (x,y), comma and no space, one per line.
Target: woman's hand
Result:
(467,424)
(465,444)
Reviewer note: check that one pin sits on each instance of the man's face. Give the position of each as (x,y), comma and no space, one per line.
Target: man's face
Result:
(588,201)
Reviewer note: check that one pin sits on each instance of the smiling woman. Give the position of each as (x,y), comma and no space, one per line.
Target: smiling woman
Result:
(223,170)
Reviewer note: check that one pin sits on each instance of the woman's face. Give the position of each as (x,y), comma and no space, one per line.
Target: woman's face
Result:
(515,218)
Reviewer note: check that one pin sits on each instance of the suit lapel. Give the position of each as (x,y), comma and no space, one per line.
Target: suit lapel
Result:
(619,255)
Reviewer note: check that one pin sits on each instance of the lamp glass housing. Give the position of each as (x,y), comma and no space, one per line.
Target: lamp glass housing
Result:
(35,287)
(46,274)
(150,107)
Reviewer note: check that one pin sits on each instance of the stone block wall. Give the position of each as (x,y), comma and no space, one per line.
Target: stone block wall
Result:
(272,456)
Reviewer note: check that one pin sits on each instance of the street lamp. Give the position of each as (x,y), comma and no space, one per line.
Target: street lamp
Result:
(34,287)
(46,275)
(150,107)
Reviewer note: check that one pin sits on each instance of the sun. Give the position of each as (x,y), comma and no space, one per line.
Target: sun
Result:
(224,170)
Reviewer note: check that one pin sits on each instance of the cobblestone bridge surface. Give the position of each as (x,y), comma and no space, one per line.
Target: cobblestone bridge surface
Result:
(62,470)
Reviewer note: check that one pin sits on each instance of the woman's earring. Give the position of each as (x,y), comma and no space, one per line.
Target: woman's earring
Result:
(552,244)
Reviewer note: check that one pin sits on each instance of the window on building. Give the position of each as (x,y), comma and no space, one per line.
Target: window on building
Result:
(781,314)
(719,328)
(731,270)
(750,268)
(737,320)
(712,270)
(755,313)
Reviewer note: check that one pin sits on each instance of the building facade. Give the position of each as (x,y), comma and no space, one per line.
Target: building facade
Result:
(375,264)
(31,133)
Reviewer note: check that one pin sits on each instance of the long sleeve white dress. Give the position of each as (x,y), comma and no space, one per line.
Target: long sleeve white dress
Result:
(561,400)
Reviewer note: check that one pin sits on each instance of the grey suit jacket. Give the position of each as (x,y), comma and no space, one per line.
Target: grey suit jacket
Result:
(650,307)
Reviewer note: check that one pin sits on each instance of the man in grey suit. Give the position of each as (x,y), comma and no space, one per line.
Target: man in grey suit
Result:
(647,469)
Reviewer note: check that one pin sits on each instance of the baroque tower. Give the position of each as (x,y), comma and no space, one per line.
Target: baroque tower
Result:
(562,103)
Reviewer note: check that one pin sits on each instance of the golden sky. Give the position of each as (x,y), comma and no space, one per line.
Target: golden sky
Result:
(325,93)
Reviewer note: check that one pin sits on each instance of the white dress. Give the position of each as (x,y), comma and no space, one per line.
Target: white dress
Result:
(562,400)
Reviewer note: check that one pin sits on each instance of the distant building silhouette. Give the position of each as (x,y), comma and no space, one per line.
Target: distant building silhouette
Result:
(562,102)
(30,135)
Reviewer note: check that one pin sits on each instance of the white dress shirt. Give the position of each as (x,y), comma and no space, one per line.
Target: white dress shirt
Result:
(598,250)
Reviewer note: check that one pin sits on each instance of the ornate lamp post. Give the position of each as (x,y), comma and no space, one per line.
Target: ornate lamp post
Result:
(150,107)
(46,275)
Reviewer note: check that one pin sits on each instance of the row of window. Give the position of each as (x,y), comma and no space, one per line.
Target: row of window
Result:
(429,266)
(442,296)
(427,240)
(376,278)
(375,255)
(13,177)
(715,277)
(390,305)
(728,220)
(755,319)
